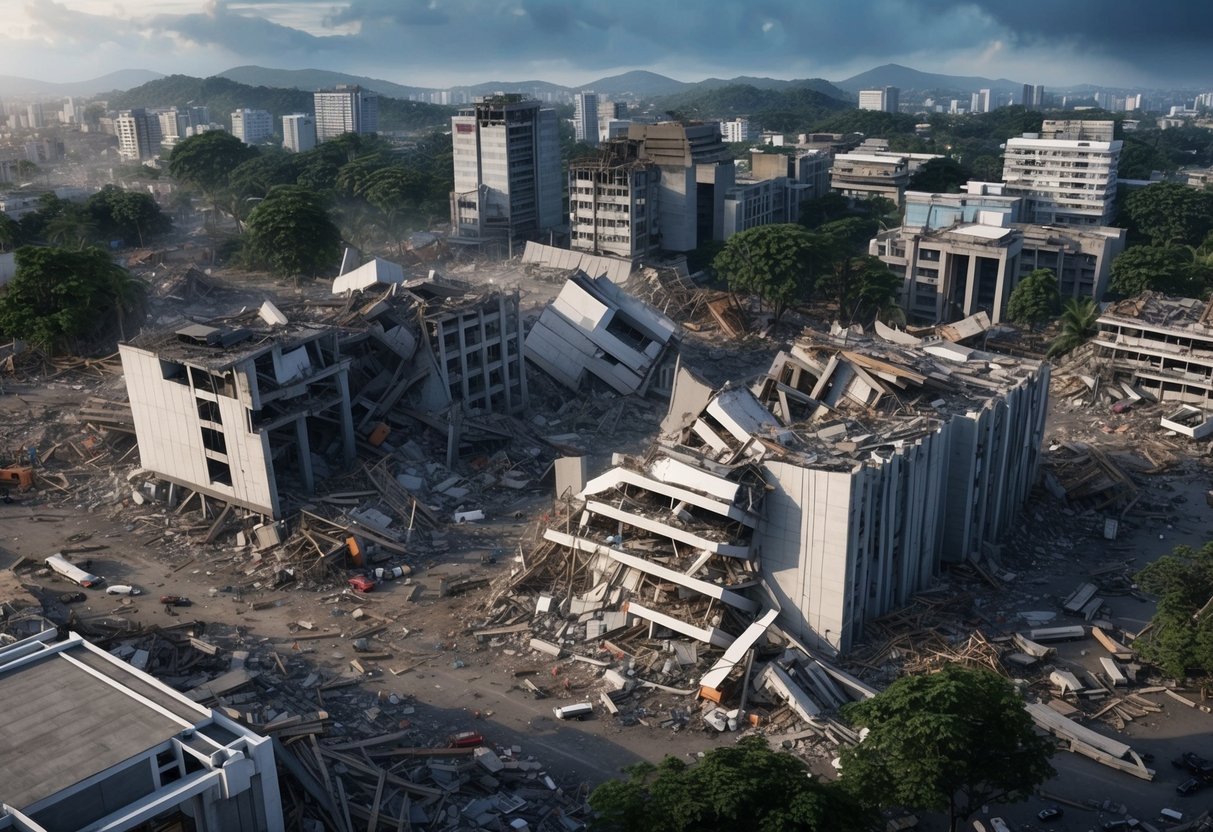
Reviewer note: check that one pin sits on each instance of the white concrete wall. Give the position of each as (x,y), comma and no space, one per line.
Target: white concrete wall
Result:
(168,430)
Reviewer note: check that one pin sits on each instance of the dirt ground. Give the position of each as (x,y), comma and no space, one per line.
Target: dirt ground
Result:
(447,682)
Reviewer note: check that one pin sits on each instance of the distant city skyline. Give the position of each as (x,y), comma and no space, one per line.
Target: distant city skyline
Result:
(440,43)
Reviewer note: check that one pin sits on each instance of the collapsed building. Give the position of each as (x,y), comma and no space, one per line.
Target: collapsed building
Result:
(254,407)
(824,495)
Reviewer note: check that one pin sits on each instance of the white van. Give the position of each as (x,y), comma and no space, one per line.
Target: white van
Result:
(1172,815)
(578,711)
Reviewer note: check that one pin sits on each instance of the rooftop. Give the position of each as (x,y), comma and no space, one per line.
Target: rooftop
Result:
(218,348)
(1158,311)
(72,711)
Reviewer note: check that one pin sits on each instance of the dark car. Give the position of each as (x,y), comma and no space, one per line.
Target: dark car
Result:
(1049,813)
(1188,787)
(1195,764)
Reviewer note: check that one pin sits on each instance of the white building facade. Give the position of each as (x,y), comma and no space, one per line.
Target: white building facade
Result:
(252,126)
(345,109)
(298,132)
(1064,181)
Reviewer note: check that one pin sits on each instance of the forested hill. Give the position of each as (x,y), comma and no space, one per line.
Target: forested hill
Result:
(223,96)
(786,110)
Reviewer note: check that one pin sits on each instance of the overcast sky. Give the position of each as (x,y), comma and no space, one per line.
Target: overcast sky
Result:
(446,42)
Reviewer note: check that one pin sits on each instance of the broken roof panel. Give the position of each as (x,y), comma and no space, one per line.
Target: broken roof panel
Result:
(376,272)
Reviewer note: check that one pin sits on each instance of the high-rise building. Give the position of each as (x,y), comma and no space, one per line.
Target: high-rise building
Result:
(345,109)
(252,126)
(1067,173)
(613,202)
(1026,98)
(585,117)
(1038,97)
(138,134)
(174,126)
(980,102)
(737,130)
(886,100)
(507,170)
(298,132)
(34,113)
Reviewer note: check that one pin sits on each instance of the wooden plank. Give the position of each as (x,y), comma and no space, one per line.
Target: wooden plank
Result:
(373,824)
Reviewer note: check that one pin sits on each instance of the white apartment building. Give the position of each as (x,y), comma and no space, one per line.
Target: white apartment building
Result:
(298,132)
(174,126)
(252,126)
(345,109)
(507,170)
(754,202)
(1064,181)
(138,134)
(737,130)
(585,117)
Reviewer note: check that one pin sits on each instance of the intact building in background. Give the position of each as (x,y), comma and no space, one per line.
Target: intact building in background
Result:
(585,117)
(886,100)
(252,126)
(1066,173)
(345,109)
(737,130)
(138,134)
(507,171)
(298,132)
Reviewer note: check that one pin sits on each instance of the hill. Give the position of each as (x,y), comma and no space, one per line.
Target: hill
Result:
(315,79)
(123,79)
(639,83)
(785,110)
(907,78)
(223,95)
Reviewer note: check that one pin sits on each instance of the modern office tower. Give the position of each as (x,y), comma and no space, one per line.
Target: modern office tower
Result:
(345,109)
(298,132)
(585,117)
(507,170)
(252,126)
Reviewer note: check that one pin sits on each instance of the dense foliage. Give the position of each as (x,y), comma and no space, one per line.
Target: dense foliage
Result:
(786,110)
(1180,636)
(1034,300)
(290,232)
(1169,214)
(59,296)
(949,741)
(780,264)
(1077,322)
(747,786)
(1174,270)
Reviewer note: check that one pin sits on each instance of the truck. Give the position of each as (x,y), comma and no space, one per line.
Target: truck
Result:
(64,567)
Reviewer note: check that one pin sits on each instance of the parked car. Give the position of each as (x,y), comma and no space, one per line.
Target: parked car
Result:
(1188,787)
(361,583)
(465,739)
(1196,765)
(1049,813)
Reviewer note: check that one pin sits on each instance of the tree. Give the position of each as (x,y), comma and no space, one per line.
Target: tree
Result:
(207,160)
(1170,214)
(58,296)
(949,741)
(863,286)
(127,215)
(400,194)
(291,232)
(1077,321)
(746,786)
(1168,269)
(778,263)
(1180,636)
(10,232)
(944,175)
(1034,300)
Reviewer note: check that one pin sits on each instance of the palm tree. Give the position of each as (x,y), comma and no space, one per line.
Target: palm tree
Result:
(1077,321)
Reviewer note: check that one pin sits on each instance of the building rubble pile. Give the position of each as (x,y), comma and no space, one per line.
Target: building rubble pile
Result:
(349,758)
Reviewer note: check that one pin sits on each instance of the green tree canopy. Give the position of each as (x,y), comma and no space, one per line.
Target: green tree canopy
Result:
(1078,325)
(1034,300)
(949,741)
(1180,636)
(1170,214)
(58,296)
(291,233)
(127,215)
(863,287)
(747,786)
(778,263)
(207,160)
(944,175)
(1169,269)
(10,232)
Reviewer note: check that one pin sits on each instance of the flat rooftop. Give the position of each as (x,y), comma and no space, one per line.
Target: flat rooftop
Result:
(71,712)
(252,342)
(1157,311)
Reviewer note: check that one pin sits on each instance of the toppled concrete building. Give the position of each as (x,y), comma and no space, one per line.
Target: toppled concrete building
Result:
(231,412)
(257,406)
(595,327)
(88,742)
(832,490)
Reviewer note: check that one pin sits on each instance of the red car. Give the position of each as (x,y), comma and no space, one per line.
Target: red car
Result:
(174,601)
(361,583)
(465,739)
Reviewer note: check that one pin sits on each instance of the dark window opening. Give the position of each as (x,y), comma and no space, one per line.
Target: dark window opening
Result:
(218,472)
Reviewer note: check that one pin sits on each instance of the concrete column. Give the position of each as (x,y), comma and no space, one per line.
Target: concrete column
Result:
(349,448)
(304,449)
(503,338)
(970,286)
